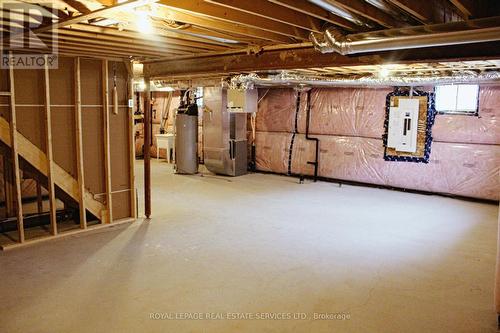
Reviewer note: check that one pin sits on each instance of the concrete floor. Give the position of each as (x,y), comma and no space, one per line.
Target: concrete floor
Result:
(263,244)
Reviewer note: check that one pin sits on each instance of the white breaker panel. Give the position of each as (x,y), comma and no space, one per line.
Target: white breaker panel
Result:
(403,125)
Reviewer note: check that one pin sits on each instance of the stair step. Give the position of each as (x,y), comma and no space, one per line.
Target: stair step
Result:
(37,158)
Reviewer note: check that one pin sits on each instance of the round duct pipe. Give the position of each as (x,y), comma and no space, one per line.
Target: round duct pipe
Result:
(474,31)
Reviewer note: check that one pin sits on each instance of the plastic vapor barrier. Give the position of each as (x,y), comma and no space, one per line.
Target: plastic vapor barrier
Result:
(276,112)
(465,154)
(484,129)
(272,151)
(346,111)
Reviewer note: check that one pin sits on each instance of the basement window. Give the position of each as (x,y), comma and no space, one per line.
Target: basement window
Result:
(457,99)
(199,96)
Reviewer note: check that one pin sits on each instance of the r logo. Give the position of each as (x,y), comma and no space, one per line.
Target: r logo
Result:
(25,35)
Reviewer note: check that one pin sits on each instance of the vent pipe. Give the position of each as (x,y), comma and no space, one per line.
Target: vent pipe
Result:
(466,32)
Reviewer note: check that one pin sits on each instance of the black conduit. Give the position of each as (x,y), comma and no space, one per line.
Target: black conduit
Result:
(316,140)
(295,130)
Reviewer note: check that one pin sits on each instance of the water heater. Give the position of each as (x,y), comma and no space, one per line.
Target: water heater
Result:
(186,138)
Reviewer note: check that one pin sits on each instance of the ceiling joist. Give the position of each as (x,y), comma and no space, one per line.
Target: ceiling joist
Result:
(165,36)
(271,11)
(218,13)
(310,9)
(94,14)
(368,11)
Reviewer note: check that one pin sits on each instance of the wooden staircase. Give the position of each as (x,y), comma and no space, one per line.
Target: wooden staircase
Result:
(62,179)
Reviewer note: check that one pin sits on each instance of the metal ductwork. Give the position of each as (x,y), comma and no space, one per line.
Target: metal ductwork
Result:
(466,32)
(286,79)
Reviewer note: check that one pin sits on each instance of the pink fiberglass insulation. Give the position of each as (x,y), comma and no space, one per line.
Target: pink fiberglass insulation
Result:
(272,151)
(349,123)
(460,169)
(346,111)
(347,158)
(276,111)
(484,129)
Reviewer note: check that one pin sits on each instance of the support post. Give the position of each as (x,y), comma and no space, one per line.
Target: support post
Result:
(79,146)
(15,157)
(147,149)
(50,155)
(107,157)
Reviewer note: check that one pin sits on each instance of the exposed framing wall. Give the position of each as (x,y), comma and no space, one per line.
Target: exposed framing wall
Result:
(75,130)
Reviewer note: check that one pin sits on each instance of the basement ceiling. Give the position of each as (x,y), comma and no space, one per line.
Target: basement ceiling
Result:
(416,69)
(400,71)
(149,30)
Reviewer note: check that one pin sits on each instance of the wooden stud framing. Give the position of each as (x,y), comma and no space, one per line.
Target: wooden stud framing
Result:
(107,157)
(96,228)
(15,157)
(50,155)
(79,146)
(38,159)
(131,138)
(43,160)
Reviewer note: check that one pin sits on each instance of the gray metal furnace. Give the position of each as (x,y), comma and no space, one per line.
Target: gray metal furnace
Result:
(225,129)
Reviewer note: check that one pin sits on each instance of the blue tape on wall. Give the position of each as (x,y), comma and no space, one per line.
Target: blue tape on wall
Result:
(431,114)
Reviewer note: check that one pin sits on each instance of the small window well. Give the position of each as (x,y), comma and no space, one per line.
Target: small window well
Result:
(199,96)
(457,99)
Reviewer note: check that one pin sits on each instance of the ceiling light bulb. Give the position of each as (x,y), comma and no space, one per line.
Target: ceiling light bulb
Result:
(384,72)
(143,23)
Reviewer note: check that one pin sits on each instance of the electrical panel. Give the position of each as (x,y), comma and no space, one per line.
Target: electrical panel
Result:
(403,125)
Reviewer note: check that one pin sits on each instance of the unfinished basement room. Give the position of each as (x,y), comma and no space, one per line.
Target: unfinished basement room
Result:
(254,166)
